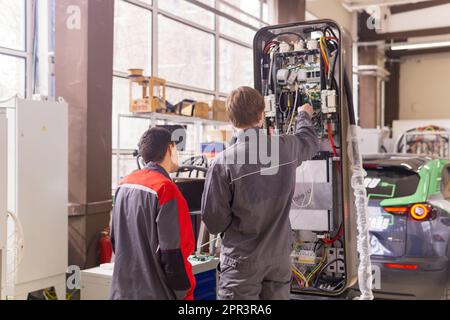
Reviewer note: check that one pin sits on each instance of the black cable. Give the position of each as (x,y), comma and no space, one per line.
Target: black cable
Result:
(286,33)
(331,31)
(334,289)
(326,267)
(349,94)
(332,78)
(334,49)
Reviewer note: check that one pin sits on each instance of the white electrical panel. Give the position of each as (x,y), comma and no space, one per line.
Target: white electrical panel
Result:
(38,194)
(3,199)
(313,198)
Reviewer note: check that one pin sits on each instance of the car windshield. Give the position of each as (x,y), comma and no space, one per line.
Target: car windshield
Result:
(390,182)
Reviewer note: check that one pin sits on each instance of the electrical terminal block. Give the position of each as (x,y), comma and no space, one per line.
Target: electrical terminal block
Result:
(270,106)
(305,257)
(328,99)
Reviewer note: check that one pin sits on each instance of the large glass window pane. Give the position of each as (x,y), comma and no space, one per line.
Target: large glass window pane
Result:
(132,37)
(12,76)
(121,103)
(12,24)
(185,54)
(236,30)
(266,13)
(190,11)
(131,129)
(236,66)
(252,7)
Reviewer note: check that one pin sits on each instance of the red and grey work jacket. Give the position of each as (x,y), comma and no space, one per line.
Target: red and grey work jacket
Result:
(152,238)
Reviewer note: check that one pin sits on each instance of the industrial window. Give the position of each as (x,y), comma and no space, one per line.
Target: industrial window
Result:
(203,48)
(132,37)
(236,66)
(14,55)
(186,60)
(189,11)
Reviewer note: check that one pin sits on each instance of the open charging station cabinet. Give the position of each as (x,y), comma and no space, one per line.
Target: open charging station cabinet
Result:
(301,63)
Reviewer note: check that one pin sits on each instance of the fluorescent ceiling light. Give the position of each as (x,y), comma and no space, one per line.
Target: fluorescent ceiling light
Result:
(413,46)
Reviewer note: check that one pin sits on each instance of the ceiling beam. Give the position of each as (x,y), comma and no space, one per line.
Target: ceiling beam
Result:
(367,35)
(362,5)
(403,53)
(417,6)
(412,34)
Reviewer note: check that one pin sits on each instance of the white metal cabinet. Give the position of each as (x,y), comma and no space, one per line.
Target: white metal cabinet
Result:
(3,199)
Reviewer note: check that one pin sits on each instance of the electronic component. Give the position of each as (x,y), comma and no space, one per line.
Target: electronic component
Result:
(282,76)
(270,106)
(328,99)
(292,77)
(299,45)
(336,268)
(302,75)
(312,44)
(313,197)
(305,257)
(285,47)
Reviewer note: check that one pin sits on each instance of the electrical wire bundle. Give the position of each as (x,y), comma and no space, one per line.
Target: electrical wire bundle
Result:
(312,279)
(329,51)
(429,140)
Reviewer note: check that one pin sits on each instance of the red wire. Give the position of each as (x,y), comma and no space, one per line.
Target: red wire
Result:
(331,241)
(330,136)
(267,47)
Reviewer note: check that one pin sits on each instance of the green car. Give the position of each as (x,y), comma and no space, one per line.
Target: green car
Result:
(409,218)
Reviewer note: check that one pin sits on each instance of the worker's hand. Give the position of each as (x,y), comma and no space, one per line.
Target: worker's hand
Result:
(307,108)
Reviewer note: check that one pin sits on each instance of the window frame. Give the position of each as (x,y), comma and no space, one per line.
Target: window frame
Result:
(216,32)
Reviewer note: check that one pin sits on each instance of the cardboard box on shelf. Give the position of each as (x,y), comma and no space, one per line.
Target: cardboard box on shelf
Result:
(147,94)
(219,111)
(198,109)
(219,105)
(147,105)
(220,116)
(201,110)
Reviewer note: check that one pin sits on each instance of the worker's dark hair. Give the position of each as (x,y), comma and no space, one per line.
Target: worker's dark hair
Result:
(154,144)
(245,106)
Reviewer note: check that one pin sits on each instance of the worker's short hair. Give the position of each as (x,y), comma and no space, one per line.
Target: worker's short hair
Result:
(245,106)
(154,144)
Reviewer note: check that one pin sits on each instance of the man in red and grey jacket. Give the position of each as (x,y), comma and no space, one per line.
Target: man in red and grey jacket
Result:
(151,232)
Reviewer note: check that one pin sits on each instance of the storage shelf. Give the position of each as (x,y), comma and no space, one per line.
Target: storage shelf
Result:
(198,129)
(175,118)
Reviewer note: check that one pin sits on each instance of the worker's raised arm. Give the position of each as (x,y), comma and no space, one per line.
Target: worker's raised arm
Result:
(216,202)
(304,144)
(176,241)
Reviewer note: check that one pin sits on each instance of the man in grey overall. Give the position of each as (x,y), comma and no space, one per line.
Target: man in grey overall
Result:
(248,202)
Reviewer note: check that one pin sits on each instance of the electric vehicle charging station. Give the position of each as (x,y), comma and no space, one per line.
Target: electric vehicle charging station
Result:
(310,62)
